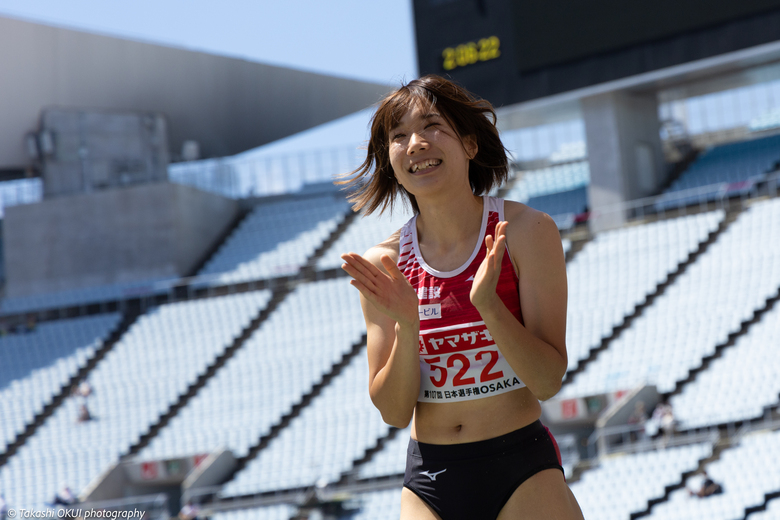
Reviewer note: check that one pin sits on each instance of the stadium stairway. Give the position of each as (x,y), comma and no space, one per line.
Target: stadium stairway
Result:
(135,307)
(309,269)
(218,242)
(678,168)
(723,443)
(758,314)
(768,498)
(278,296)
(128,318)
(727,439)
(731,216)
(577,244)
(348,476)
(295,411)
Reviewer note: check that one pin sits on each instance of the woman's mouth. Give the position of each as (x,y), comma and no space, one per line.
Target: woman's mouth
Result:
(423,166)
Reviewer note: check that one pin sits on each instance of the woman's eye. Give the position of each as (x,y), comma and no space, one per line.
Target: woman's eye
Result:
(396,137)
(431,124)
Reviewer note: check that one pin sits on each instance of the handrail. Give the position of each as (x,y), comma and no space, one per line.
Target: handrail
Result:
(210,282)
(599,445)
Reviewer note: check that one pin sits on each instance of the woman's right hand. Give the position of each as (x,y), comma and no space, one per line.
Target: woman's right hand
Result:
(390,292)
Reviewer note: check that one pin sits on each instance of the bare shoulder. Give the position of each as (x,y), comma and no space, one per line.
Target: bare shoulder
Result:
(530,227)
(387,247)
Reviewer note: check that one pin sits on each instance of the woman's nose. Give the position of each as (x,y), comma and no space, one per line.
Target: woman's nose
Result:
(416,143)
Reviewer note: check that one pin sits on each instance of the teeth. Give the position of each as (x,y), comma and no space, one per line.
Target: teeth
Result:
(425,164)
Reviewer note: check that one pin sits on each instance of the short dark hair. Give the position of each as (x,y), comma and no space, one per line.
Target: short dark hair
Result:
(467,114)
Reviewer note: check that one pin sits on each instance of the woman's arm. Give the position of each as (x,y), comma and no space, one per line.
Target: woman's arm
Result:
(536,351)
(392,321)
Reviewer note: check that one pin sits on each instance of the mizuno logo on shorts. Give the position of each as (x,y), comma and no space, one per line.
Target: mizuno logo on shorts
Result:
(432,476)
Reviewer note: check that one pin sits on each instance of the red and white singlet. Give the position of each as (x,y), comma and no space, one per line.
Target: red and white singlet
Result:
(459,361)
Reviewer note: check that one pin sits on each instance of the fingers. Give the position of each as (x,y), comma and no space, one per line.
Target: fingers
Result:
(368,275)
(359,262)
(361,270)
(496,246)
(361,265)
(391,267)
(489,243)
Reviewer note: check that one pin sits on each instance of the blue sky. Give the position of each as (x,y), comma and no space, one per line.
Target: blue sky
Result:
(363,39)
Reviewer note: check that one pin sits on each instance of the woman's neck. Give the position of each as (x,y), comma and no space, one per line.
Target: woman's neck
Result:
(449,223)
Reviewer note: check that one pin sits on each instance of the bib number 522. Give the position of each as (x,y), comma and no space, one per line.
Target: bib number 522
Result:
(464,364)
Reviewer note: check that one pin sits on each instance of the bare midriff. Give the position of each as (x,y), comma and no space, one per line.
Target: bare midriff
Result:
(476,420)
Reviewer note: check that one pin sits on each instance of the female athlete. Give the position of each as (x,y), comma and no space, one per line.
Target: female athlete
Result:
(465,308)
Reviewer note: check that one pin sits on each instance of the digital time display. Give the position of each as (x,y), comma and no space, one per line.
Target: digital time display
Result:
(485,49)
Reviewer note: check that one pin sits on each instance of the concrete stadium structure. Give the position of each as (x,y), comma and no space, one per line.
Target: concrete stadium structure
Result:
(227,105)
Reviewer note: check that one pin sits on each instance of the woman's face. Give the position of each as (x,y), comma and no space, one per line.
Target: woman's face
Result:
(427,154)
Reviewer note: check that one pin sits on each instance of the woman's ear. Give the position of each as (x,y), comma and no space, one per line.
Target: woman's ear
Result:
(470,145)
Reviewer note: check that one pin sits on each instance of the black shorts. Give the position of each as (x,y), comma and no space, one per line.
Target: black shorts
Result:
(476,479)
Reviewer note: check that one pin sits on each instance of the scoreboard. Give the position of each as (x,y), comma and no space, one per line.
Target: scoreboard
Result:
(509,51)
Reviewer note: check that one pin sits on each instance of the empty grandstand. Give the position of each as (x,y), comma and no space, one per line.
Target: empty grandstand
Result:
(205,387)
(680,301)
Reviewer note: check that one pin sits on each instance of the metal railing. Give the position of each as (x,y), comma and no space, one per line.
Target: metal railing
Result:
(631,438)
(689,201)
(262,175)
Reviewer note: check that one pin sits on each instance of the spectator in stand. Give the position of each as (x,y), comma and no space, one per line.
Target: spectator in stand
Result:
(189,511)
(667,423)
(64,498)
(638,418)
(3,507)
(82,392)
(663,419)
(708,487)
(84,414)
(84,389)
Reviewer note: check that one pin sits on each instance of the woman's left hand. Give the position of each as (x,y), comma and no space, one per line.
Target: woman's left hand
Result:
(483,290)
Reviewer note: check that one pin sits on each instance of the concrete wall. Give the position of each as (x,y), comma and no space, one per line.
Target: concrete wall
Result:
(98,150)
(111,236)
(228,105)
(624,151)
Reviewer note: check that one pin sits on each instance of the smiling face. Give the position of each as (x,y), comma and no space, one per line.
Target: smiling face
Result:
(426,153)
(434,114)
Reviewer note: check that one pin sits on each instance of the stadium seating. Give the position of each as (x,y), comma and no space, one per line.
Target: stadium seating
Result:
(711,299)
(272,371)
(623,484)
(747,472)
(766,121)
(278,512)
(143,374)
(738,385)
(379,505)
(38,363)
(729,163)
(320,444)
(571,201)
(170,346)
(618,269)
(772,510)
(391,460)
(275,239)
(555,190)
(84,296)
(365,232)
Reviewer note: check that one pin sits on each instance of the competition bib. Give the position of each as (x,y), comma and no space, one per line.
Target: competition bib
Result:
(461,363)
